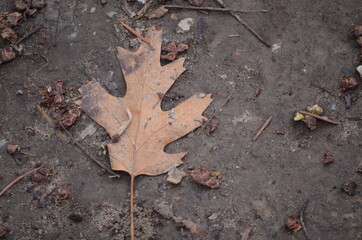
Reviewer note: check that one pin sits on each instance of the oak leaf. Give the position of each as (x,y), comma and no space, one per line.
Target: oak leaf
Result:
(144,128)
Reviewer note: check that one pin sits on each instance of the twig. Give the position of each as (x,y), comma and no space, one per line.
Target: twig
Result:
(262,129)
(325,119)
(51,123)
(16,180)
(214,9)
(27,35)
(222,4)
(302,219)
(222,105)
(85,152)
(42,67)
(144,9)
(135,32)
(324,89)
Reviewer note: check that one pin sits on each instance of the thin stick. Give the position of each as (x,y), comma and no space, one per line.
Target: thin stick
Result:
(262,129)
(302,219)
(132,206)
(85,152)
(324,119)
(222,105)
(16,180)
(214,9)
(135,32)
(51,122)
(41,68)
(222,4)
(324,89)
(27,35)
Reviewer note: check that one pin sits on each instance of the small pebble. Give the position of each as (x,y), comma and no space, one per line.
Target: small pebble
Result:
(93,9)
(75,218)
(19,92)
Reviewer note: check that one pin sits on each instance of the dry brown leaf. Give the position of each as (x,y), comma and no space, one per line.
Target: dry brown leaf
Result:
(211,179)
(157,13)
(140,150)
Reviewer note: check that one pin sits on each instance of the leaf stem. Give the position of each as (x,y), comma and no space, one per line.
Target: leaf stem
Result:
(132,207)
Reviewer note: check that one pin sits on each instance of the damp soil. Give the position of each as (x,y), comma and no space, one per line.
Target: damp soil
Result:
(264,182)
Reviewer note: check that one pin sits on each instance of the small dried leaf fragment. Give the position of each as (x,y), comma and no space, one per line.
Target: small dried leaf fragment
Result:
(7,54)
(293,224)
(196,3)
(42,175)
(191,226)
(9,19)
(158,13)
(348,83)
(349,187)
(173,49)
(53,95)
(68,119)
(175,176)
(328,158)
(8,33)
(212,125)
(4,231)
(356,31)
(211,179)
(62,195)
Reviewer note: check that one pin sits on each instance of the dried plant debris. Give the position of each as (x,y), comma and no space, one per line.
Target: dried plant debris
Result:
(61,195)
(328,158)
(356,31)
(29,7)
(349,187)
(54,95)
(68,118)
(172,50)
(211,179)
(7,54)
(42,175)
(348,83)
(212,125)
(293,224)
(8,20)
(315,109)
(310,122)
(4,231)
(158,13)
(311,116)
(196,3)
(8,33)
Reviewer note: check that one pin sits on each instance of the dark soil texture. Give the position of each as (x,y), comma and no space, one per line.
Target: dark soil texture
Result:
(264,181)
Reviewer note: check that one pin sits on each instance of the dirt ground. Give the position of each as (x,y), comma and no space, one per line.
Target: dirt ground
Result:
(264,182)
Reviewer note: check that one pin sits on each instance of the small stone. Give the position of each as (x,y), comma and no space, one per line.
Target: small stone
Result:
(200,95)
(11,148)
(213,216)
(104,2)
(359,70)
(111,14)
(93,9)
(349,187)
(185,25)
(19,92)
(175,176)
